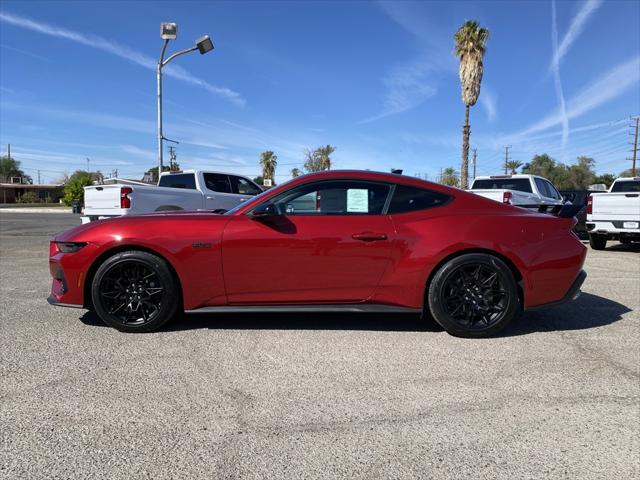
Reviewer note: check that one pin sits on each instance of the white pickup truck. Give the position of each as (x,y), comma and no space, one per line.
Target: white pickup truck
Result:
(185,190)
(528,191)
(614,214)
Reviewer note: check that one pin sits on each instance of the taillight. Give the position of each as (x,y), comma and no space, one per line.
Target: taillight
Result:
(506,197)
(589,205)
(125,200)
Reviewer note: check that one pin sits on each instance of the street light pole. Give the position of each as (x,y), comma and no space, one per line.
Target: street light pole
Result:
(168,31)
(160,135)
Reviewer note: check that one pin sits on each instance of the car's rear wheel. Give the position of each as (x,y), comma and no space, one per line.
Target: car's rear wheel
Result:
(473,295)
(625,240)
(597,242)
(135,291)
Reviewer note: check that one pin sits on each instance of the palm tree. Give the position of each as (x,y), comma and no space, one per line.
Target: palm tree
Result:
(513,165)
(450,177)
(319,159)
(470,47)
(268,162)
(295,172)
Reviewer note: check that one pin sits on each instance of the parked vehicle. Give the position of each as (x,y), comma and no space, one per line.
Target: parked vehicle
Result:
(615,215)
(578,197)
(366,242)
(528,191)
(185,190)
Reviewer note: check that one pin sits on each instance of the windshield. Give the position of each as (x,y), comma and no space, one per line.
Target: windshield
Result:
(626,186)
(519,184)
(242,205)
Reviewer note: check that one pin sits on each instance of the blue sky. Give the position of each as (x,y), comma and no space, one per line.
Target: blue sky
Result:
(377,80)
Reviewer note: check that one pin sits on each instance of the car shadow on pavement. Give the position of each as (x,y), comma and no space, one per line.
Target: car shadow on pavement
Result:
(588,311)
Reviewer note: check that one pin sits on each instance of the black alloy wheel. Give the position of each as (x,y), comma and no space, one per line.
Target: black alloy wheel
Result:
(135,292)
(474,295)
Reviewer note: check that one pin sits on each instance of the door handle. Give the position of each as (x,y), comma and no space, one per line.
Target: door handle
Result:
(369,237)
(210,197)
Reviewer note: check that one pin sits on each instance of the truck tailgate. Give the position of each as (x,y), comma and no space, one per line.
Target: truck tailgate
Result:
(616,206)
(102,200)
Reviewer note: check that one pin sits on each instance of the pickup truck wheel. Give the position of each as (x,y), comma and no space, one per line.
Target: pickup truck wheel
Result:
(135,291)
(473,296)
(625,240)
(597,242)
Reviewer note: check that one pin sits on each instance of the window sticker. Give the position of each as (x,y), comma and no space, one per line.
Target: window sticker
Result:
(358,200)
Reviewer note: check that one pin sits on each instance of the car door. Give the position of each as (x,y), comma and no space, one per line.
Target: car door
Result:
(328,242)
(217,192)
(548,194)
(243,189)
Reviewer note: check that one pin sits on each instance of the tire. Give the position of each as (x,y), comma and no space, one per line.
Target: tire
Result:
(625,240)
(463,298)
(597,242)
(135,291)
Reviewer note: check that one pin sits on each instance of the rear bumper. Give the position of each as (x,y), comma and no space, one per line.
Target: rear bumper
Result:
(572,293)
(611,227)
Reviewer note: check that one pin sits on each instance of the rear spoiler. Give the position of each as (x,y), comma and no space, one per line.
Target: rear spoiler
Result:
(567,210)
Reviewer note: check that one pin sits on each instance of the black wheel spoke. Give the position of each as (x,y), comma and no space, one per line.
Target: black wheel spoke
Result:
(132,292)
(475,296)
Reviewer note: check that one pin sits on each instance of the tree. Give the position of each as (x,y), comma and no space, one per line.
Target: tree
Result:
(513,165)
(581,174)
(10,167)
(29,197)
(153,171)
(606,178)
(627,173)
(74,188)
(470,48)
(450,177)
(259,180)
(319,159)
(295,172)
(269,162)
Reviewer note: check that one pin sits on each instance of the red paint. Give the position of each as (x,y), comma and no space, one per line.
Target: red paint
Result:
(330,259)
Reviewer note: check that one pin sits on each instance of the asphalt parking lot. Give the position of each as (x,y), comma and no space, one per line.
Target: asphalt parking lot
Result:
(315,396)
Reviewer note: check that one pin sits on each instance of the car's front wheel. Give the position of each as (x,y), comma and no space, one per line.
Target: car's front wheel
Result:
(473,295)
(135,291)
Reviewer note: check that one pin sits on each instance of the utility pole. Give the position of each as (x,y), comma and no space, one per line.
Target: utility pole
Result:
(440,177)
(506,158)
(635,148)
(38,177)
(475,156)
(9,150)
(88,171)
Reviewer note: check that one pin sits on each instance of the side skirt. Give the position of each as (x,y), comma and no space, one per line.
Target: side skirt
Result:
(354,308)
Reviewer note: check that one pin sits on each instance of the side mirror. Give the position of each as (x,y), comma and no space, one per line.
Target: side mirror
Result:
(264,210)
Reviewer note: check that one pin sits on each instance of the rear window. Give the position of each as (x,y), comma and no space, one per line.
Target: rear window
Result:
(626,186)
(180,180)
(410,199)
(519,184)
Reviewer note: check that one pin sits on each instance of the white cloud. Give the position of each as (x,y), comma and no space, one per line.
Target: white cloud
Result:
(575,29)
(489,103)
(121,51)
(605,88)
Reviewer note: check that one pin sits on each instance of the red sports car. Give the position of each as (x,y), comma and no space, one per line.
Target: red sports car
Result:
(354,241)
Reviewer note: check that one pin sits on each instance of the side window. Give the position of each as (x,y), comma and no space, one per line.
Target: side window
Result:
(243,186)
(217,182)
(542,187)
(553,193)
(340,197)
(410,199)
(178,180)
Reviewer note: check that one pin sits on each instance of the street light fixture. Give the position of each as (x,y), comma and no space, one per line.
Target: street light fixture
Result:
(169,31)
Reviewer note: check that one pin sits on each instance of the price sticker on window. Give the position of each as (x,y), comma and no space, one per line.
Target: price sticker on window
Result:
(358,200)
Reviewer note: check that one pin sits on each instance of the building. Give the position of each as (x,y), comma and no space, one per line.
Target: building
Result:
(11,192)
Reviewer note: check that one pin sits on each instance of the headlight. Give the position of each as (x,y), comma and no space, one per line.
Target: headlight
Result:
(70,247)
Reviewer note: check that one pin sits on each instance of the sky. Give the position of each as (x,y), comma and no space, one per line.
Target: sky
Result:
(378,80)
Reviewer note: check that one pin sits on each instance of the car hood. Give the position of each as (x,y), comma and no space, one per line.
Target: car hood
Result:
(142,225)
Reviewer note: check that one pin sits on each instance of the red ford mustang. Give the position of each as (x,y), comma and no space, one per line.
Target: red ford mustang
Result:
(331,241)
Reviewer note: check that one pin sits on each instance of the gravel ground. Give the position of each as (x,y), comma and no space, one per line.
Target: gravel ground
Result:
(315,396)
